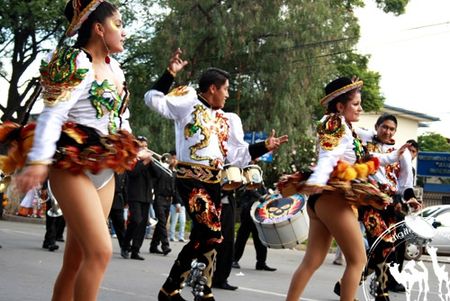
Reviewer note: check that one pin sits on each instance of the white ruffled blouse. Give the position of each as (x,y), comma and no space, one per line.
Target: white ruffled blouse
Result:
(77,105)
(203,135)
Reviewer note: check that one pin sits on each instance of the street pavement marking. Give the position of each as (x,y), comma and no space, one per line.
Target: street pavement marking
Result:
(264,292)
(270,293)
(114,290)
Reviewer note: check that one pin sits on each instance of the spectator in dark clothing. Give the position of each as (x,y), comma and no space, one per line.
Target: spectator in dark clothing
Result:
(248,226)
(54,220)
(118,205)
(165,195)
(140,196)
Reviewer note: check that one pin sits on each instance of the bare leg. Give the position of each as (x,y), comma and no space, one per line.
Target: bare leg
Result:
(333,217)
(340,219)
(89,247)
(319,241)
(65,282)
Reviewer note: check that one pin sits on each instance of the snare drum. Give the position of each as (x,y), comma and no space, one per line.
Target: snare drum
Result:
(253,177)
(282,223)
(422,229)
(231,177)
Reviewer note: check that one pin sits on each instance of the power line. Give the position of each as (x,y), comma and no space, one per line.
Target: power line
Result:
(429,25)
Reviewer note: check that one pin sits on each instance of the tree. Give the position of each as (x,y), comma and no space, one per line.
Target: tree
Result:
(27,28)
(433,142)
(280,55)
(397,7)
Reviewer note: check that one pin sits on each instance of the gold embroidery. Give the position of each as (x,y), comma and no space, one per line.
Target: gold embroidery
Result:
(205,126)
(199,173)
(179,91)
(202,206)
(61,75)
(330,132)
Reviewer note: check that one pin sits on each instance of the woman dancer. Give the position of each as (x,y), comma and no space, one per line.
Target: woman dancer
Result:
(78,141)
(330,212)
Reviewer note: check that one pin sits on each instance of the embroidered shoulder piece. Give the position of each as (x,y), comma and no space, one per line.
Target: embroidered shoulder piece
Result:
(330,131)
(61,75)
(179,91)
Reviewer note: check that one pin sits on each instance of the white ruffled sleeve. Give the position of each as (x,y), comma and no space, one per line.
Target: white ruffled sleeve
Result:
(55,113)
(364,134)
(175,105)
(387,158)
(406,177)
(238,151)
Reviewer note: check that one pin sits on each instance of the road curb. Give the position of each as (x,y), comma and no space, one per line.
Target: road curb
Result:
(23,219)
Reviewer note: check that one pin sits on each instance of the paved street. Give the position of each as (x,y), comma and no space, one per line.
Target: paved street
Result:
(27,272)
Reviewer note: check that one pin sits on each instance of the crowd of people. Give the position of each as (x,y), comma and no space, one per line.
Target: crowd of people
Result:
(83,147)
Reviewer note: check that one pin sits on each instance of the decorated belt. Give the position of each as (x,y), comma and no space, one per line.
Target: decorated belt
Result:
(198,172)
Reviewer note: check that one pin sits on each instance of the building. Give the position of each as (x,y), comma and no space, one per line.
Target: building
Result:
(409,122)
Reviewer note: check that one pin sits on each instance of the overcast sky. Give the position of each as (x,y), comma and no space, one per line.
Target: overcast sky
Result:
(411,52)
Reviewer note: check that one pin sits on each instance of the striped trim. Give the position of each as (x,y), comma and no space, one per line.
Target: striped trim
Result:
(324,101)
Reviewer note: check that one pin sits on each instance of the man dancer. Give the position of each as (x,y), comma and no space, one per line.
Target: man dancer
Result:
(206,136)
(397,181)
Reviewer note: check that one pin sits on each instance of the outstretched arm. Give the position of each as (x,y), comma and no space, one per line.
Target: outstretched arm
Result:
(273,143)
(176,64)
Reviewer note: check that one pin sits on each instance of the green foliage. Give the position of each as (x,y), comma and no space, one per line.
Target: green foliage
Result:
(27,28)
(397,7)
(433,142)
(279,53)
(353,64)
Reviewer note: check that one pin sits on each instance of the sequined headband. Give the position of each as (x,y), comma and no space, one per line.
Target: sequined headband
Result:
(79,17)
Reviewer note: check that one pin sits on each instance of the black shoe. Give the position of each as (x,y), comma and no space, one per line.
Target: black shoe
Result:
(136,256)
(225,286)
(124,253)
(53,247)
(382,297)
(264,267)
(156,251)
(397,287)
(337,288)
(173,296)
(49,246)
(235,265)
(166,251)
(60,239)
(208,297)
